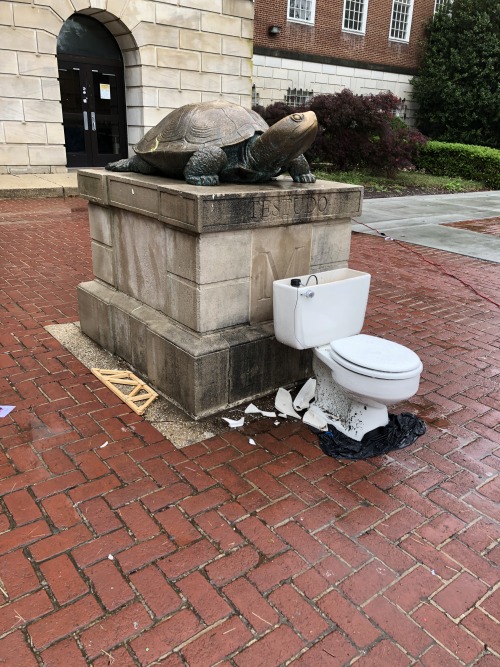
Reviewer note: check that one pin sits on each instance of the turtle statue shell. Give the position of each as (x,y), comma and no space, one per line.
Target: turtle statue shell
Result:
(194,126)
(216,142)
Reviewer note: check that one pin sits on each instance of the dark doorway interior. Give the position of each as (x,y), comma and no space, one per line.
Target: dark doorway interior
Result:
(92,93)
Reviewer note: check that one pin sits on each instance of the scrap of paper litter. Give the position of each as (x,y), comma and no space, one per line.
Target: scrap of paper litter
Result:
(6,409)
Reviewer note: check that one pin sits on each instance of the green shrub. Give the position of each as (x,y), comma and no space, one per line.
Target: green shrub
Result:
(477,163)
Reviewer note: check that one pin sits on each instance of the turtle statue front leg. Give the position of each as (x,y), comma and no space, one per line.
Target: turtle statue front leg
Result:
(135,164)
(204,167)
(299,170)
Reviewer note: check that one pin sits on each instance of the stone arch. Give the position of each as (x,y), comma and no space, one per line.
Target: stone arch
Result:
(120,24)
(91,81)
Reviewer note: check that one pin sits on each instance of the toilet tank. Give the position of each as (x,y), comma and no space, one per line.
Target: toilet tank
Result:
(313,314)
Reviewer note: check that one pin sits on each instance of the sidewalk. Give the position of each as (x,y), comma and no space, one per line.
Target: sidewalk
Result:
(38,185)
(116,548)
(436,221)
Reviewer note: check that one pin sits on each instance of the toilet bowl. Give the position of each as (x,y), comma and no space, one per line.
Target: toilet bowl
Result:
(358,376)
(376,374)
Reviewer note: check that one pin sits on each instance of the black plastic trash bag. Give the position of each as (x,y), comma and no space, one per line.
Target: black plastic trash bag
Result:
(401,431)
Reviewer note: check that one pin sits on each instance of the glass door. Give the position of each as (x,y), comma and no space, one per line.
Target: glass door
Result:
(93,108)
(106,116)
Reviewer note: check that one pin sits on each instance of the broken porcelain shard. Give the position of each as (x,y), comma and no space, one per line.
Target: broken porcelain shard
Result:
(254,410)
(306,395)
(284,404)
(315,417)
(234,423)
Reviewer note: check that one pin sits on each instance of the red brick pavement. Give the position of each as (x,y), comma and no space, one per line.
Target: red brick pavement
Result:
(489,226)
(224,553)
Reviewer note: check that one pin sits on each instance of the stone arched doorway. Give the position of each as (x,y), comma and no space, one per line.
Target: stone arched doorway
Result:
(92,93)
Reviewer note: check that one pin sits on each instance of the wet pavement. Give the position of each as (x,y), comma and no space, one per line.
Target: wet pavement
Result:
(116,547)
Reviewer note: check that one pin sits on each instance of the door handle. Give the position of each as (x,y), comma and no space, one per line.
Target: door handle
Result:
(92,120)
(85,121)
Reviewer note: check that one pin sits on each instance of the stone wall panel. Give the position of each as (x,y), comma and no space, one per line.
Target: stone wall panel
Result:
(29,16)
(11,109)
(8,62)
(274,76)
(14,38)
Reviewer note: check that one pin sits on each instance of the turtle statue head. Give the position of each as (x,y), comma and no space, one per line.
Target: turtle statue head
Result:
(219,141)
(284,142)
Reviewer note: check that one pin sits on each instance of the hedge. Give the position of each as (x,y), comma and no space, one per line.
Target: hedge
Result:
(477,163)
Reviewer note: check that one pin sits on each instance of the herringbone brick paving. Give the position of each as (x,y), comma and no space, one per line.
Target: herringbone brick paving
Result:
(227,554)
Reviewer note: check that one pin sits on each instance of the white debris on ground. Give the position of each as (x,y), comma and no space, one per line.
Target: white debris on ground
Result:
(284,403)
(234,423)
(288,407)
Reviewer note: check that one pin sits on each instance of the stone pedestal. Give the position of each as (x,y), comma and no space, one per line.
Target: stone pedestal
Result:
(183,278)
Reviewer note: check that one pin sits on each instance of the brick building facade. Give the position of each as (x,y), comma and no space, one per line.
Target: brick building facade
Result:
(304,47)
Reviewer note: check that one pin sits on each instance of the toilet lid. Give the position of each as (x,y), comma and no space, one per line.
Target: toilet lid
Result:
(376,354)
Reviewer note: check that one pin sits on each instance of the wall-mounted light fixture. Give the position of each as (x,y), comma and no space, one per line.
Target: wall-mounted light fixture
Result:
(274,30)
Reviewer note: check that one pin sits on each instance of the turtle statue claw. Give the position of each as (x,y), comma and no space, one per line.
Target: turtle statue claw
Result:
(219,141)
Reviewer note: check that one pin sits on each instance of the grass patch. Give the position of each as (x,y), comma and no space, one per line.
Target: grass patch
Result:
(403,182)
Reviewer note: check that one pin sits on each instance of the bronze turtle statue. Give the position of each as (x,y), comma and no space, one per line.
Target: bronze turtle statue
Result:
(219,141)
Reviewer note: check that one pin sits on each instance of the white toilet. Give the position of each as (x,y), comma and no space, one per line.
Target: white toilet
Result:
(358,376)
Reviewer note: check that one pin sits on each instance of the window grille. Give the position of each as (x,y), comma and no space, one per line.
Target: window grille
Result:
(298,98)
(401,20)
(355,15)
(301,10)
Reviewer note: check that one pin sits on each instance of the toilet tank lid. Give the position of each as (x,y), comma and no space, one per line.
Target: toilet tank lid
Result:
(376,354)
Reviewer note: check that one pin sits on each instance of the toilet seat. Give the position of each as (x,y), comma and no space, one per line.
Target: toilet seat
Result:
(375,357)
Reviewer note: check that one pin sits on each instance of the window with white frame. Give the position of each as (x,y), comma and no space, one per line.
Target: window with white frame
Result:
(440,4)
(355,15)
(301,10)
(401,20)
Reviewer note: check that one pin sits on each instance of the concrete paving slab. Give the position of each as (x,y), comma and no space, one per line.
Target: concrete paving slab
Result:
(420,219)
(437,208)
(166,417)
(461,241)
(33,186)
(66,180)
